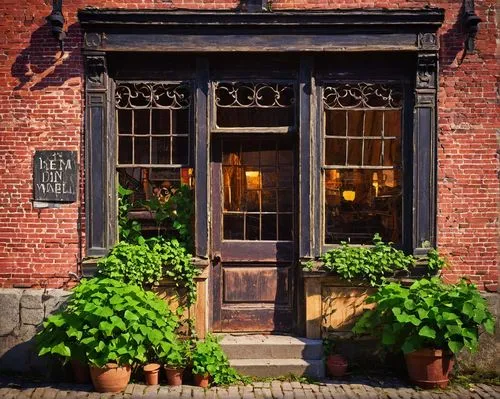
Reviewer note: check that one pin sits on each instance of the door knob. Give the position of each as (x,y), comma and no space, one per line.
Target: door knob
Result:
(216,258)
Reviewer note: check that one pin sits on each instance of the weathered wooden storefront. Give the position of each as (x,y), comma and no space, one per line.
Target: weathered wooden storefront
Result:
(297,130)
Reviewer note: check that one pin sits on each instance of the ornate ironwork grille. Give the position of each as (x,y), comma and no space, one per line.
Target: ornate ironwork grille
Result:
(254,104)
(154,130)
(362,124)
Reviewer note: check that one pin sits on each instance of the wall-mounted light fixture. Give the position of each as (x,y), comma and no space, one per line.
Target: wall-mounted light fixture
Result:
(56,21)
(470,22)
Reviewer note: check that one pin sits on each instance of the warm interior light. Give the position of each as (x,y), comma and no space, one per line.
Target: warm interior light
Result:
(389,178)
(375,183)
(253,179)
(349,195)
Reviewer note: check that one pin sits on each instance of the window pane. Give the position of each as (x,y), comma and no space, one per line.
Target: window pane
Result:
(355,121)
(124,121)
(125,150)
(373,123)
(354,151)
(335,152)
(252,227)
(141,150)
(160,121)
(141,121)
(268,201)
(180,121)
(233,227)
(335,123)
(392,123)
(360,203)
(284,201)
(269,227)
(180,150)
(161,150)
(373,152)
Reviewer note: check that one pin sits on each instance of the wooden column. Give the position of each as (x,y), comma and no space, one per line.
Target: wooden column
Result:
(424,145)
(99,157)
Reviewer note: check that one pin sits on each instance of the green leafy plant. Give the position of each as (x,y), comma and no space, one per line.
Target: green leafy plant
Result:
(129,230)
(175,354)
(108,321)
(175,214)
(435,262)
(428,314)
(372,263)
(132,263)
(209,358)
(177,263)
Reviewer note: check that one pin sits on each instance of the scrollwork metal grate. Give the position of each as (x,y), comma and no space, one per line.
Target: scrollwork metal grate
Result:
(138,95)
(254,95)
(361,95)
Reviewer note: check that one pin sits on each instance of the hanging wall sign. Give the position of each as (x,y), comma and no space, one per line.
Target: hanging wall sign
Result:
(55,176)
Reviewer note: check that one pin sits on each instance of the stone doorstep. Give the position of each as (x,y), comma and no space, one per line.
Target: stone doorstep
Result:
(260,346)
(280,367)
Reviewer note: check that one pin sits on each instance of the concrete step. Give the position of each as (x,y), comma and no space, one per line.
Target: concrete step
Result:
(271,347)
(280,367)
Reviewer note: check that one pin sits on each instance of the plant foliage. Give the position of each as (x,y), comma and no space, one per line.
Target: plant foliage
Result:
(372,263)
(428,314)
(129,230)
(209,358)
(107,321)
(132,263)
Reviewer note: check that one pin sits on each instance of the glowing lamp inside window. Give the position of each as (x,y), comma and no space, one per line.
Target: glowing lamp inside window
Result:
(349,195)
(253,179)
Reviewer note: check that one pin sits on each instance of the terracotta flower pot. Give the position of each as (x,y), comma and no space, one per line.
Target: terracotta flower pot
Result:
(337,365)
(201,380)
(151,373)
(174,375)
(110,378)
(429,368)
(81,372)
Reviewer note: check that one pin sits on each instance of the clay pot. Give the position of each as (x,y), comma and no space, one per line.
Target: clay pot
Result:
(201,380)
(174,375)
(110,378)
(151,373)
(336,365)
(429,368)
(81,372)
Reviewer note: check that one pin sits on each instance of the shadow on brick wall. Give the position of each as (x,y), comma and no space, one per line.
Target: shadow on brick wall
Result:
(41,64)
(452,42)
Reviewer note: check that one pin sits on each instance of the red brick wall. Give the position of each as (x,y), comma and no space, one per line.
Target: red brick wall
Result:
(41,108)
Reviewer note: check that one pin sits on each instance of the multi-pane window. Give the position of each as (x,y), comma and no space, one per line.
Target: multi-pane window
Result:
(362,125)
(154,129)
(258,189)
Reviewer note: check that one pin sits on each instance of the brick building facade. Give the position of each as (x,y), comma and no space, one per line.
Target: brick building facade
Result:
(42,107)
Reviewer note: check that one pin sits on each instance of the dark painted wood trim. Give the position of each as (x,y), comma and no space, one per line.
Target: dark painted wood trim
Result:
(424,144)
(96,179)
(201,158)
(319,19)
(306,198)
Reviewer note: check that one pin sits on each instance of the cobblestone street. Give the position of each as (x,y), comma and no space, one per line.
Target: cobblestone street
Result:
(355,388)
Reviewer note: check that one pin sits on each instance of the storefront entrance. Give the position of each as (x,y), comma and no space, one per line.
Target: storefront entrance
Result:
(253,230)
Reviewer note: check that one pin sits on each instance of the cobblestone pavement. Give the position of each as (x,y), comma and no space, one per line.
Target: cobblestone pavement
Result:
(355,388)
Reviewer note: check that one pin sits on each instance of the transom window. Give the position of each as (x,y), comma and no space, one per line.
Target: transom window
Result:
(154,130)
(362,125)
(255,105)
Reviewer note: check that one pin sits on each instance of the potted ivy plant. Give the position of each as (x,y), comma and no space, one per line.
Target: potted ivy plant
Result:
(430,321)
(210,363)
(372,264)
(175,356)
(115,325)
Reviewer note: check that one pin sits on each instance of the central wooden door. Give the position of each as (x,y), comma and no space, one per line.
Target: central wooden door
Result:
(253,233)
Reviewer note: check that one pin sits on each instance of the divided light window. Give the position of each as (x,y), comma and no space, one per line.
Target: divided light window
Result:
(154,132)
(362,126)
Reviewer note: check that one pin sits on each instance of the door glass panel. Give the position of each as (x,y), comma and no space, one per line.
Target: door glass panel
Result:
(258,189)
